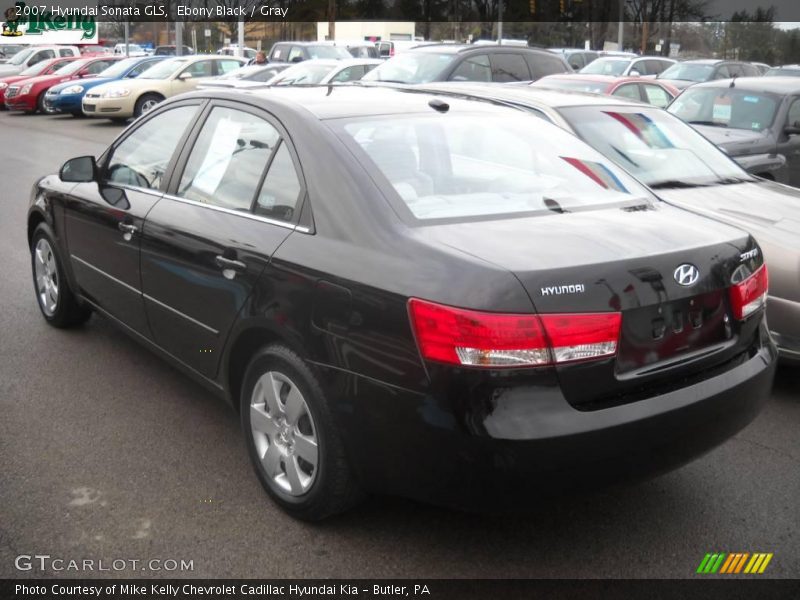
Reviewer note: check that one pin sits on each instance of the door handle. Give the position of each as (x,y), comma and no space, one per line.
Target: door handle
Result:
(229,263)
(127,228)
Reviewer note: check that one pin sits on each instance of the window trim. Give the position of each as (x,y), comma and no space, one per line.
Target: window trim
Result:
(187,145)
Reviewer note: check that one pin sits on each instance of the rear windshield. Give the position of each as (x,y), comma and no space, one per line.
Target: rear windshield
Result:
(572,83)
(328,52)
(466,165)
(607,66)
(688,72)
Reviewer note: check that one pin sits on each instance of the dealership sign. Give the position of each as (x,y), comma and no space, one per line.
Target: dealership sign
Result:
(23,24)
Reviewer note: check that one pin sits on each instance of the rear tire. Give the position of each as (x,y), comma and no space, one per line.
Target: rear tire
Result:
(145,104)
(292,439)
(40,104)
(56,300)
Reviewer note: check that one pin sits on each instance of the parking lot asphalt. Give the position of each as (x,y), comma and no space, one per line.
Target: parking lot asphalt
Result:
(108,453)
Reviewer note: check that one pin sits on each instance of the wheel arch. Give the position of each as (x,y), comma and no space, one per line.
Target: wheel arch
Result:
(34,219)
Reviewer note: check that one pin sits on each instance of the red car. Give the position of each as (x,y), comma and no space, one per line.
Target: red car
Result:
(640,89)
(28,94)
(45,67)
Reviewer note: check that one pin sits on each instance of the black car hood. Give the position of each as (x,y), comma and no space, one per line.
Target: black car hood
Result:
(737,141)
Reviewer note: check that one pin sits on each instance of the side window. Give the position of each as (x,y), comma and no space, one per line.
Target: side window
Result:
(228,159)
(295,54)
(793,116)
(226,66)
(385,48)
(201,68)
(629,90)
(142,158)
(542,65)
(509,67)
(473,68)
(640,66)
(657,96)
(576,61)
(96,67)
(661,66)
(751,71)
(281,190)
(65,52)
(349,74)
(722,72)
(139,69)
(40,56)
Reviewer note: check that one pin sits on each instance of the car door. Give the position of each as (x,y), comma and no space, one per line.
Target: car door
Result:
(789,145)
(104,219)
(209,239)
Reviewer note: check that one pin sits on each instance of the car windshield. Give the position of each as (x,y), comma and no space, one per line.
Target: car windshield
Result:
(411,67)
(659,149)
(36,69)
(72,67)
(21,56)
(478,165)
(783,72)
(164,69)
(726,107)
(688,72)
(606,66)
(118,69)
(301,74)
(327,52)
(572,83)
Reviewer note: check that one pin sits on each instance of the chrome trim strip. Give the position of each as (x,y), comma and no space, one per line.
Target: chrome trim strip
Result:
(179,313)
(246,215)
(111,277)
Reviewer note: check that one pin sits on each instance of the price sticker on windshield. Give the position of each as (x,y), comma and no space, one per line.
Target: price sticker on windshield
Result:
(721,111)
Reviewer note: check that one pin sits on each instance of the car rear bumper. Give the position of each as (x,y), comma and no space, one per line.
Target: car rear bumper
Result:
(448,451)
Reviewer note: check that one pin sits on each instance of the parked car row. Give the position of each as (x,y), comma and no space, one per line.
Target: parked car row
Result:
(545,289)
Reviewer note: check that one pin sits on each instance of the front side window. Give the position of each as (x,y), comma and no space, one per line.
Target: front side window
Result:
(793,117)
(65,52)
(412,67)
(228,159)
(473,68)
(478,165)
(629,90)
(228,66)
(349,74)
(606,66)
(201,68)
(98,66)
(43,55)
(141,159)
(657,96)
(659,149)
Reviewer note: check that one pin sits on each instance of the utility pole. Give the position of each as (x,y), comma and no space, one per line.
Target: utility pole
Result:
(127,37)
(620,33)
(178,38)
(500,22)
(240,41)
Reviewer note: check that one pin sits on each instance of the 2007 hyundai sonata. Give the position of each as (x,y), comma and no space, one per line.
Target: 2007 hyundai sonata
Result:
(404,294)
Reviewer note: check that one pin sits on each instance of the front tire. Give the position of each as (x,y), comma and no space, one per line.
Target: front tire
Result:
(291,437)
(145,104)
(58,303)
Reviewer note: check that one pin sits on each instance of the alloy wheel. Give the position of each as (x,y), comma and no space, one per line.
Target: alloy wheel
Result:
(47,281)
(284,434)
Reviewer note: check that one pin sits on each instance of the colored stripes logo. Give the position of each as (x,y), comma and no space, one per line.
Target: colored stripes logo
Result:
(734,563)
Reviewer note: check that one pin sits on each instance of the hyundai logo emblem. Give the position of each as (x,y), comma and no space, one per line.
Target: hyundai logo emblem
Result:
(686,274)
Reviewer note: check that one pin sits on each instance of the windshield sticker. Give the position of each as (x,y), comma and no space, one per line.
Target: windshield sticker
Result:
(721,110)
(755,125)
(753,99)
(598,173)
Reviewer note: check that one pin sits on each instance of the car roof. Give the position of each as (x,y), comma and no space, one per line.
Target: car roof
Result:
(775,85)
(344,101)
(609,79)
(463,48)
(525,94)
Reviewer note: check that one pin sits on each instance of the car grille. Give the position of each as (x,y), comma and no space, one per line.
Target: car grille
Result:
(12,91)
(88,107)
(88,95)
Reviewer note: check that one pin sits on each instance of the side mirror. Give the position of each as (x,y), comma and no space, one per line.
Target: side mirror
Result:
(791,130)
(634,73)
(79,170)
(82,74)
(185,76)
(297,59)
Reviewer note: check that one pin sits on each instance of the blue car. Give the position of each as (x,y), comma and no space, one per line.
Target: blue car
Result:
(66,97)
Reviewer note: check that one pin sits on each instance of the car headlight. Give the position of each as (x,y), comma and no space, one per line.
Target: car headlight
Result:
(3,85)
(116,93)
(73,89)
(25,89)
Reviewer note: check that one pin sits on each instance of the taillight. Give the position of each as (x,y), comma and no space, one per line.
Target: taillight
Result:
(749,295)
(471,338)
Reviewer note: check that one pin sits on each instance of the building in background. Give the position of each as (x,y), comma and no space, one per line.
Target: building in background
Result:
(373,31)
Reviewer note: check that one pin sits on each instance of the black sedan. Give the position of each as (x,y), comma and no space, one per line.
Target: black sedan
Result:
(405,294)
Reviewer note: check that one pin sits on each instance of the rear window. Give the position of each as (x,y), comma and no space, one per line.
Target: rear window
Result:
(412,67)
(472,166)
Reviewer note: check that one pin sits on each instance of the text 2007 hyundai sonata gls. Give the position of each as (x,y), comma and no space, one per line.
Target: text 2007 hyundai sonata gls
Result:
(408,295)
